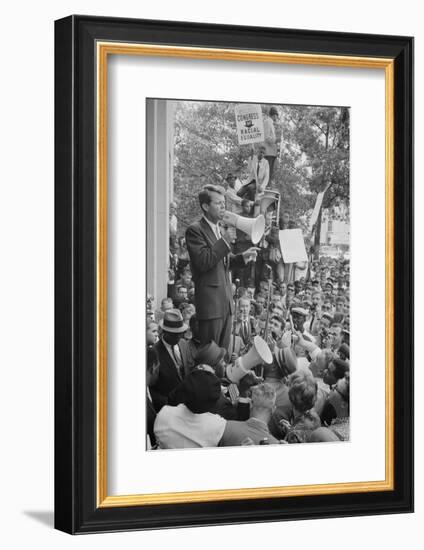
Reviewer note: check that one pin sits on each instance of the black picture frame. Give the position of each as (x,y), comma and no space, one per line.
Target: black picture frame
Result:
(76,509)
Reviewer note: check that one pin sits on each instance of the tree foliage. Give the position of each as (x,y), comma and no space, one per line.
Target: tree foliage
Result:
(314,154)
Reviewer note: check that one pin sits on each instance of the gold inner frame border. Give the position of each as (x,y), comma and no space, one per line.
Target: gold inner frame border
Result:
(103,50)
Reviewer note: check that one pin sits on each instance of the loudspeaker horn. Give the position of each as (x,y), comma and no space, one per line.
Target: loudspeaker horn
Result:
(254,227)
(258,353)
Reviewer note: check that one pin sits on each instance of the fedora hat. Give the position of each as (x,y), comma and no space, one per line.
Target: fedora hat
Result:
(173,321)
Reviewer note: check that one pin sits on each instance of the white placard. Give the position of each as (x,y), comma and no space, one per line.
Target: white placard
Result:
(292,246)
(250,124)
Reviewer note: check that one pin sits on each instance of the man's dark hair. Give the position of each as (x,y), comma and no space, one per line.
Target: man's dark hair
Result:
(279,319)
(205,194)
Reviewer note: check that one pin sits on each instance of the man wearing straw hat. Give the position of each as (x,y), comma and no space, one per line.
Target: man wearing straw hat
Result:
(172,352)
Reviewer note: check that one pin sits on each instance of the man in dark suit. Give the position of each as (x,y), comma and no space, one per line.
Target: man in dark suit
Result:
(245,326)
(173,361)
(209,249)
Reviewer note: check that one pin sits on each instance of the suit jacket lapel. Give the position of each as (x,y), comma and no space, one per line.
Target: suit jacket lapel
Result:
(208,230)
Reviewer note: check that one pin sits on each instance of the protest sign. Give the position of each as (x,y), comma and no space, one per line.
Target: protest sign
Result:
(292,246)
(250,125)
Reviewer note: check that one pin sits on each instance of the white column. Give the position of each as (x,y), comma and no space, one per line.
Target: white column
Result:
(159,168)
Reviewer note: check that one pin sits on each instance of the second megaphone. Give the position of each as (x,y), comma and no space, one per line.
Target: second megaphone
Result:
(258,353)
(254,227)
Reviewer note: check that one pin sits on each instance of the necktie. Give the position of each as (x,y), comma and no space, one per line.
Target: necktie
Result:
(177,358)
(245,332)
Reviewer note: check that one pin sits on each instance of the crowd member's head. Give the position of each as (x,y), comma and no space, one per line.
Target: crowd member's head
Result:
(340,304)
(211,354)
(182,293)
(186,277)
(260,302)
(302,391)
(327,306)
(244,308)
(290,291)
(173,326)
(337,368)
(273,113)
(335,335)
(326,320)
(285,220)
(172,208)
(316,300)
(201,390)
(188,311)
(316,286)
(344,352)
(152,333)
(299,315)
(250,290)
(246,207)
(263,287)
(231,180)
(263,401)
(166,304)
(212,203)
(261,152)
(276,326)
(307,294)
(152,366)
(282,287)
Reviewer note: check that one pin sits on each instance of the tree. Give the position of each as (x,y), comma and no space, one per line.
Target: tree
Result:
(315,152)
(321,138)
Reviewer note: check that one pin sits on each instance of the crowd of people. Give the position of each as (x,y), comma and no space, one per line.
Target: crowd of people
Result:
(302,395)
(246,349)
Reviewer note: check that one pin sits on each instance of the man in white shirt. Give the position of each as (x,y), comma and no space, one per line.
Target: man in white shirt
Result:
(232,199)
(193,422)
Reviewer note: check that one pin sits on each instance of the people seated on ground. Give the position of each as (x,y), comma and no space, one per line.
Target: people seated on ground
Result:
(256,427)
(192,423)
(172,352)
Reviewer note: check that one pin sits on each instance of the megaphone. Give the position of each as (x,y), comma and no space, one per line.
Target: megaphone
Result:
(254,227)
(258,353)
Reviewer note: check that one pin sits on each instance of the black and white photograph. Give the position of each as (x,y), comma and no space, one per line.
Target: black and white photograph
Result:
(248,274)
